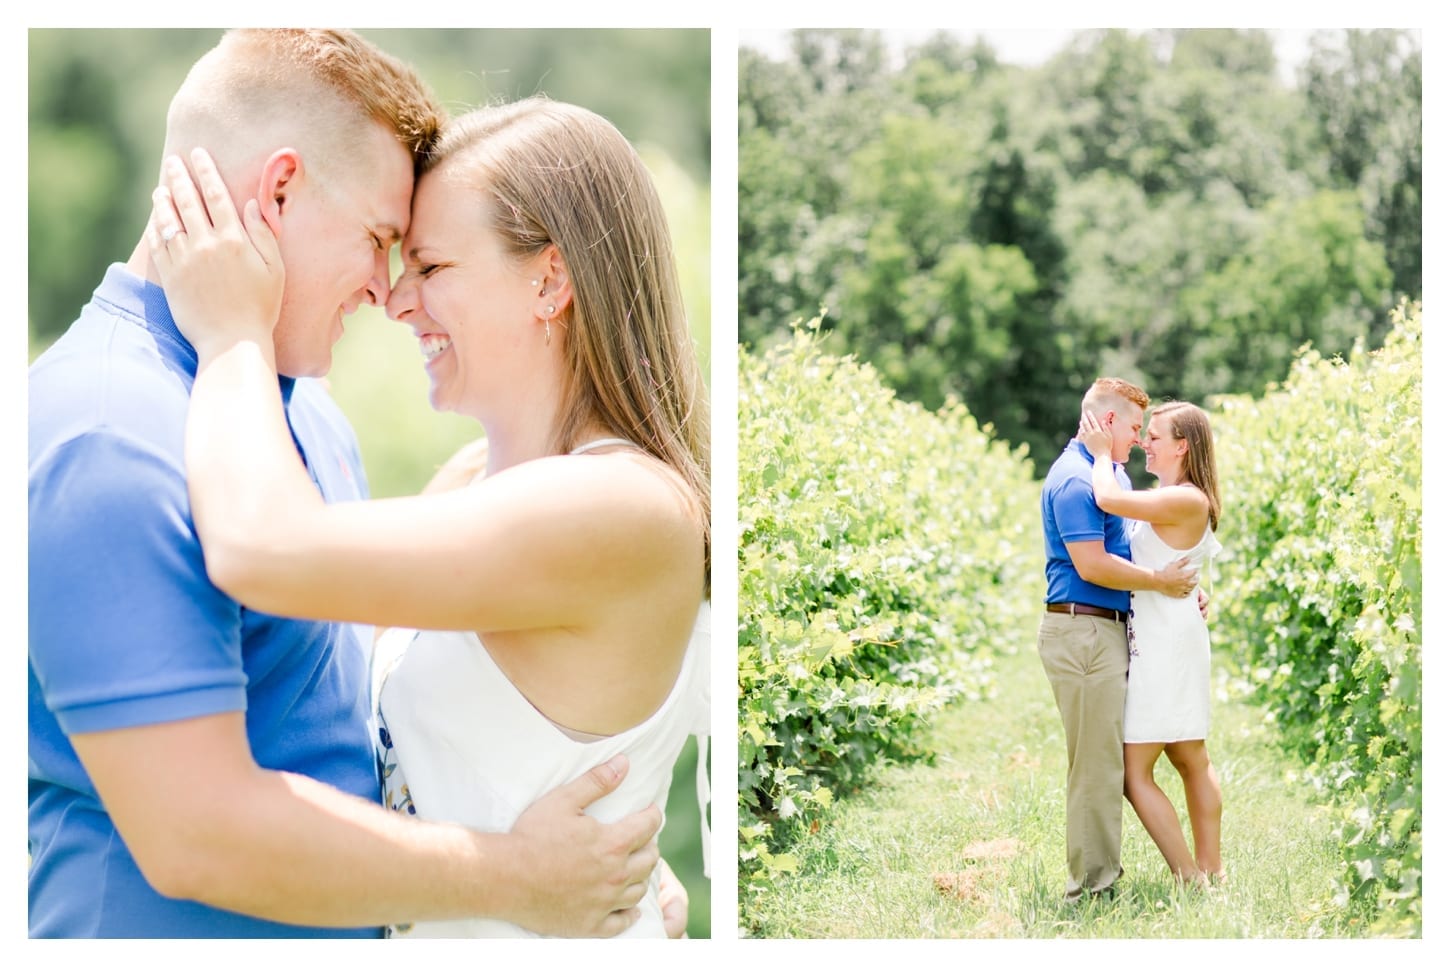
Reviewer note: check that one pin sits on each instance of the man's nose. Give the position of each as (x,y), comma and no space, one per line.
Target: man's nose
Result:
(378,288)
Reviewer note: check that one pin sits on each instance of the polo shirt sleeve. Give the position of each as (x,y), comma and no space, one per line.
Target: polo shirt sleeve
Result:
(125,627)
(1079,518)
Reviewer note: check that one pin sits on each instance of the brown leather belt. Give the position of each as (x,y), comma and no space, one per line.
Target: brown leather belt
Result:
(1088,609)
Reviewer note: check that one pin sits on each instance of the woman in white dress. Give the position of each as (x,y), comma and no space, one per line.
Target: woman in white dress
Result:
(555,602)
(1168,669)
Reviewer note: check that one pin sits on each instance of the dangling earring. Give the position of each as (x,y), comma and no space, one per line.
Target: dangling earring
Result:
(548,334)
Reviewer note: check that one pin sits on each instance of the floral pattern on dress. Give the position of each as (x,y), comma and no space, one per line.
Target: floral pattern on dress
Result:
(1132,638)
(395,792)
(395,785)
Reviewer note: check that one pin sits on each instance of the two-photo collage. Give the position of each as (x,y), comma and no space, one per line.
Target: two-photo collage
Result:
(802,483)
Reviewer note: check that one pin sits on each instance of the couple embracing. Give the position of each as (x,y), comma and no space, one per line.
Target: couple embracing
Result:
(1124,639)
(218,746)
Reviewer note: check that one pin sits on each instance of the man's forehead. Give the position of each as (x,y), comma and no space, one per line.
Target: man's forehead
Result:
(396,207)
(390,186)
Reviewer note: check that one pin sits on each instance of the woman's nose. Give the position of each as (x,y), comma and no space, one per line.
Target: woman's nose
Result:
(402,300)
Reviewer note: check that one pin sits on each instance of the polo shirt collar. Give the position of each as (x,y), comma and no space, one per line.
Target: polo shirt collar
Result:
(1082,451)
(146,301)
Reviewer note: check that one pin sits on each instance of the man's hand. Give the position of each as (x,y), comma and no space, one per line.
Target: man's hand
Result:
(1176,579)
(1203,604)
(579,877)
(674,902)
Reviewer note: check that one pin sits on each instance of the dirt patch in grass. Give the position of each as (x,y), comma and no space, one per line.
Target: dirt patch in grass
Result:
(994,849)
(961,885)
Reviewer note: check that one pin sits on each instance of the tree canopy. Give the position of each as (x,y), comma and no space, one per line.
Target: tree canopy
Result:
(1155,205)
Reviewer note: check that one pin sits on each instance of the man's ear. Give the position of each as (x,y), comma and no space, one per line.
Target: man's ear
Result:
(276,183)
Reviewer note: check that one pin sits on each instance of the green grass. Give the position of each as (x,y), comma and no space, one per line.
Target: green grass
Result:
(997,788)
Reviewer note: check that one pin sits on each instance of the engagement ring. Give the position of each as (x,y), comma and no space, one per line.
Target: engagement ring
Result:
(168,233)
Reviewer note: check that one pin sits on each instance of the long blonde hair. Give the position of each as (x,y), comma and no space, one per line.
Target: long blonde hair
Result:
(555,173)
(1188,422)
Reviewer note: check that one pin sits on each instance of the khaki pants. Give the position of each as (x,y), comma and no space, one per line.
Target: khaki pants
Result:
(1086,660)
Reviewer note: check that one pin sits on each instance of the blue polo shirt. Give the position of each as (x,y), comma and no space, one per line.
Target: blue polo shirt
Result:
(1070,513)
(126,629)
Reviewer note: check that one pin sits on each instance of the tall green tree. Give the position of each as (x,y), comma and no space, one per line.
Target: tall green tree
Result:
(1366,96)
(1309,276)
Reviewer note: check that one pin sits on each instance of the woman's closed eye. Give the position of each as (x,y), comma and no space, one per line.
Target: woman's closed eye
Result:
(421,270)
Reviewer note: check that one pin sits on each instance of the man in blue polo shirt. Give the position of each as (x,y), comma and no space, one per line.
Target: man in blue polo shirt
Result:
(198,769)
(1082,640)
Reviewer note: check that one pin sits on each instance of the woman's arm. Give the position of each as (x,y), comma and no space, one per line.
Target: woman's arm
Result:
(1162,505)
(546,543)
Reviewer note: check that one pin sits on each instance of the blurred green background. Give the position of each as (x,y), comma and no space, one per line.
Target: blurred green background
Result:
(97,108)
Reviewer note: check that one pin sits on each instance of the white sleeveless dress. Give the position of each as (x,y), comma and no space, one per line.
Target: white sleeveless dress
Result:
(1168,652)
(457,742)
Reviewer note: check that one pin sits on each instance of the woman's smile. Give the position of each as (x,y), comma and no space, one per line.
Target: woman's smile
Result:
(433,344)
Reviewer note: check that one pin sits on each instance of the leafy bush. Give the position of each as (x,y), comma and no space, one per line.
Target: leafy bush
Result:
(883,556)
(1321,595)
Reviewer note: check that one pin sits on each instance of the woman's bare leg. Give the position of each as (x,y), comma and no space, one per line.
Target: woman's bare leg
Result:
(1205,801)
(1155,810)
